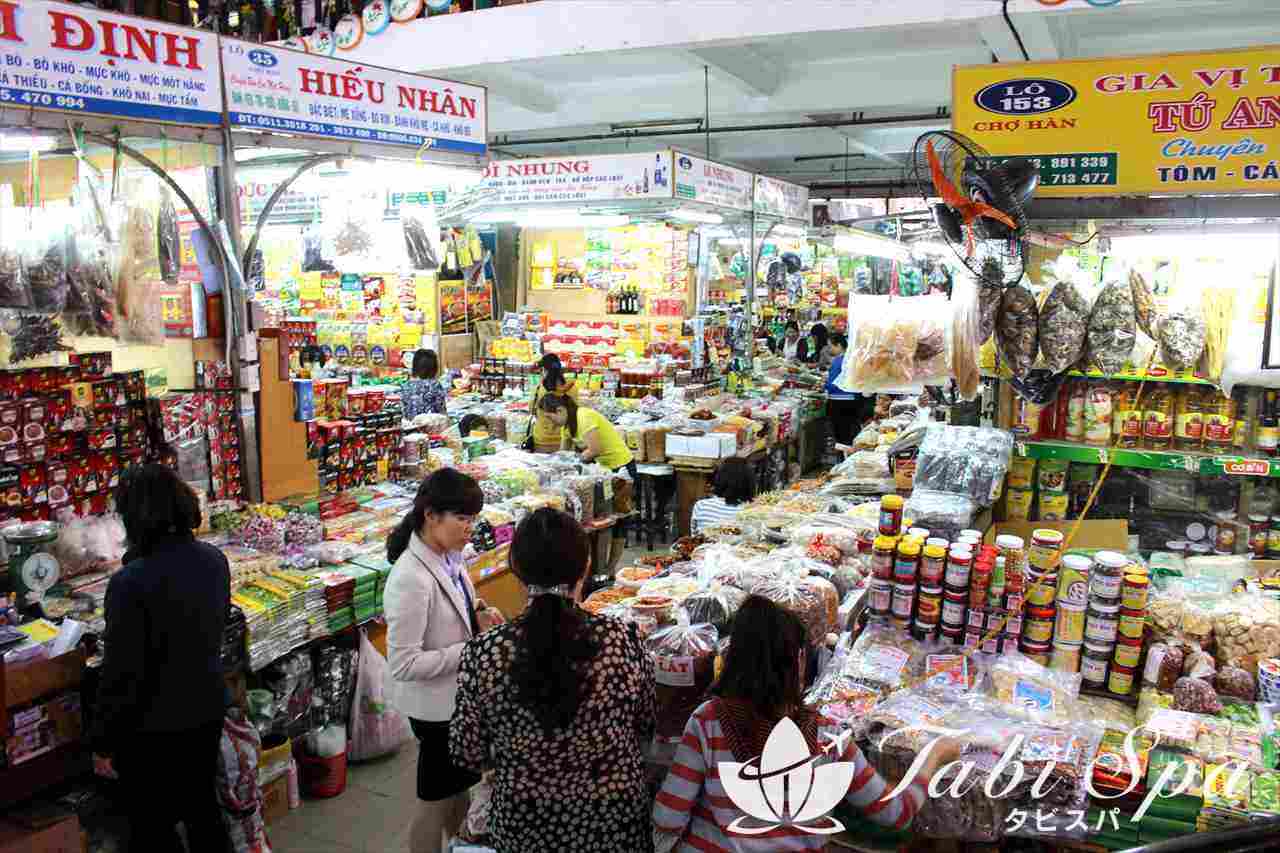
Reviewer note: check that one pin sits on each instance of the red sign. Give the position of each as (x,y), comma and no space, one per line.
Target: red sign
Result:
(1246,467)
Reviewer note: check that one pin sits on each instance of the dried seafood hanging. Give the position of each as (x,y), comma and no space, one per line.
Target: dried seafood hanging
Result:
(46,274)
(1017,330)
(421,254)
(1182,339)
(13,283)
(1064,321)
(1112,328)
(167,238)
(138,316)
(1144,303)
(37,335)
(1218,307)
(990,292)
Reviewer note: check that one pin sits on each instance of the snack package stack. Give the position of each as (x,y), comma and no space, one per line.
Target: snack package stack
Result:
(289,627)
(364,593)
(1226,797)
(339,592)
(262,608)
(1169,814)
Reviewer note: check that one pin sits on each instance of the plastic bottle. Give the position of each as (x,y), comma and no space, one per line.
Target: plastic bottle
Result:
(1157,419)
(1188,430)
(1219,421)
(1126,420)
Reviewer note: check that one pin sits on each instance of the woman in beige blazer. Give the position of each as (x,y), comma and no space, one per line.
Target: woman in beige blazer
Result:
(432,610)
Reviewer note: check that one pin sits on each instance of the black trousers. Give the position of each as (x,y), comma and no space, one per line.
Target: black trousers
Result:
(846,418)
(170,778)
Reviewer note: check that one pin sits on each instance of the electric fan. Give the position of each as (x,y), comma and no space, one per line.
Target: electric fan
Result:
(982,215)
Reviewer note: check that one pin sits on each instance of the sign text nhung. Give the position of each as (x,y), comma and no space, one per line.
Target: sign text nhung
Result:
(712,183)
(273,88)
(1189,122)
(56,56)
(605,177)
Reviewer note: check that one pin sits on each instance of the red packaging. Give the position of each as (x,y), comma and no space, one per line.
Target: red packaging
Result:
(66,376)
(233,471)
(102,439)
(58,446)
(231,452)
(82,505)
(108,393)
(235,489)
(99,504)
(59,496)
(13,454)
(129,437)
(102,419)
(35,451)
(135,385)
(35,513)
(346,480)
(34,486)
(80,475)
(93,365)
(9,384)
(132,456)
(11,415)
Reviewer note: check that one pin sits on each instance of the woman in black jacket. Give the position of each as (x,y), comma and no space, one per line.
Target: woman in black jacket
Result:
(161,695)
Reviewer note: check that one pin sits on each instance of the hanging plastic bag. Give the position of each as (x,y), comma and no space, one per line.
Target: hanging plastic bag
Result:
(139,319)
(168,243)
(1112,327)
(236,785)
(1064,321)
(1017,330)
(966,331)
(1144,303)
(684,665)
(376,728)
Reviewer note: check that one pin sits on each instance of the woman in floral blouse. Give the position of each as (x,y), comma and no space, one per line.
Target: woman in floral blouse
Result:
(423,393)
(557,703)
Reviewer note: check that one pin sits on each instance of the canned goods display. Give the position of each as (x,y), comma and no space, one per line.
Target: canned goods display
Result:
(1121,680)
(1132,623)
(904,599)
(1038,652)
(1133,595)
(924,630)
(1107,577)
(879,597)
(1070,623)
(1045,547)
(1073,580)
(907,562)
(991,645)
(1066,657)
(977,618)
(882,556)
(973,638)
(891,515)
(1039,624)
(1128,650)
(1042,590)
(1094,662)
(959,566)
(929,607)
(918,533)
(933,565)
(952,635)
(954,606)
(1102,622)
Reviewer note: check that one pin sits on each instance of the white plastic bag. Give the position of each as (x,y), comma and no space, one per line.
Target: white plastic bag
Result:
(376,728)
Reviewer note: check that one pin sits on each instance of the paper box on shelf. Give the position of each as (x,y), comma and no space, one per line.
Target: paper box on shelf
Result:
(710,446)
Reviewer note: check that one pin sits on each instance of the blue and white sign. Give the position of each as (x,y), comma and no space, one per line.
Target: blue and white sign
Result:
(56,56)
(274,88)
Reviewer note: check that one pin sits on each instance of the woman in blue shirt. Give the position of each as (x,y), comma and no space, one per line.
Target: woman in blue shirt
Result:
(423,393)
(844,408)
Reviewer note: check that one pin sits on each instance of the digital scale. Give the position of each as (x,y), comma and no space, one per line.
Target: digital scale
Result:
(33,569)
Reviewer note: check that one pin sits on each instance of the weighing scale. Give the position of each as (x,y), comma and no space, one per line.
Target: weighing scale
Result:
(32,568)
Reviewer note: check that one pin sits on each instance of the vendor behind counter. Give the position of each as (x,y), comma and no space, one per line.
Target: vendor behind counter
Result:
(733,488)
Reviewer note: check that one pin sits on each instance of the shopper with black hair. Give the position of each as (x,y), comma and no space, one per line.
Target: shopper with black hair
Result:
(732,489)
(600,442)
(789,346)
(558,703)
(546,435)
(431,611)
(845,409)
(423,393)
(812,349)
(761,683)
(161,694)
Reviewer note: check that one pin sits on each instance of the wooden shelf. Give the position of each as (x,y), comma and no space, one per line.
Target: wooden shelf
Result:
(44,771)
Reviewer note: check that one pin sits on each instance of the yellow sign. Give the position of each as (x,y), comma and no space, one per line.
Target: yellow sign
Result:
(424,287)
(309,288)
(1179,123)
(410,336)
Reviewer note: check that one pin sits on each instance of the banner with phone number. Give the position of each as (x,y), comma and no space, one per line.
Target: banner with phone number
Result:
(1177,123)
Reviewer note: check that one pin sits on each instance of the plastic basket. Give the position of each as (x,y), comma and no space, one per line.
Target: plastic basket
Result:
(322,778)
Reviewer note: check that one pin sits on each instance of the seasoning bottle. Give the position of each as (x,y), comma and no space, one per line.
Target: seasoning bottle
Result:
(1188,430)
(1097,414)
(1244,424)
(1219,421)
(1126,419)
(1267,435)
(1157,419)
(1075,411)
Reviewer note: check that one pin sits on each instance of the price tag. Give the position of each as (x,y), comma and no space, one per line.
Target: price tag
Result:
(1020,447)
(1102,456)
(673,670)
(1191,464)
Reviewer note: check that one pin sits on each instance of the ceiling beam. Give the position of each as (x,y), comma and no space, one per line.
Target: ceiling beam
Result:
(746,68)
(514,87)
(1037,33)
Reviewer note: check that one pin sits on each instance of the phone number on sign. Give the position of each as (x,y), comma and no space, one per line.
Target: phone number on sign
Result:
(324,129)
(41,99)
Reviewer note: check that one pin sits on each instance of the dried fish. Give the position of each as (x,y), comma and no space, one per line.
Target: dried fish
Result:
(1063,327)
(36,336)
(421,255)
(1144,303)
(1182,339)
(1017,330)
(167,238)
(1112,328)
(990,292)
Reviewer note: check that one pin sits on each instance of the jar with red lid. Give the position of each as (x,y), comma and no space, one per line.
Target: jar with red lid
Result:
(1258,525)
(959,567)
(1038,627)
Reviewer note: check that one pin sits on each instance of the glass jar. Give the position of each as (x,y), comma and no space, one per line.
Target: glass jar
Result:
(1094,662)
(1188,430)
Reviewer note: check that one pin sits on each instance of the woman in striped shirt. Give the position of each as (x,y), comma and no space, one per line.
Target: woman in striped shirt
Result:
(761,684)
(734,488)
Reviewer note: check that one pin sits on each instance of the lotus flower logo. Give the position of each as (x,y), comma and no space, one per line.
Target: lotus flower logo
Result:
(784,787)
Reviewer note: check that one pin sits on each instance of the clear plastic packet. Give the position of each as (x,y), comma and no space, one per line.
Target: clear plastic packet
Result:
(419,225)
(43,253)
(1017,330)
(717,605)
(966,327)
(138,318)
(1246,630)
(333,552)
(1164,613)
(882,346)
(1112,327)
(1064,322)
(884,657)
(1195,696)
(684,667)
(808,601)
(14,292)
(1144,303)
(1030,691)
(942,513)
(964,460)
(168,243)
(990,296)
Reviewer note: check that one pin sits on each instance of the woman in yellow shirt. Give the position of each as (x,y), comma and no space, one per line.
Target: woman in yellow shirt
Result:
(546,434)
(601,443)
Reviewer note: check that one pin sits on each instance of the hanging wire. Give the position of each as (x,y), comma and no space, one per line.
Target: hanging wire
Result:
(706,110)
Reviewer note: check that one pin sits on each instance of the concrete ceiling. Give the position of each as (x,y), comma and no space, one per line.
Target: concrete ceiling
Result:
(575,68)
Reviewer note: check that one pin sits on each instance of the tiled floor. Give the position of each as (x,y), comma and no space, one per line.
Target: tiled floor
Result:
(371,816)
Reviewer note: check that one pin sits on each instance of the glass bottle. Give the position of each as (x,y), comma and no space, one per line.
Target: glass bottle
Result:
(1157,419)
(1244,424)
(1220,421)
(1188,429)
(1267,435)
(1126,418)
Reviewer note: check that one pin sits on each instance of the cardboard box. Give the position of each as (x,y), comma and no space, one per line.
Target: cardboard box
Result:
(1101,534)
(60,837)
(275,799)
(716,445)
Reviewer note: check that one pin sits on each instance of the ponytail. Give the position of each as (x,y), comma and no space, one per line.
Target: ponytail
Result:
(447,490)
(554,378)
(554,646)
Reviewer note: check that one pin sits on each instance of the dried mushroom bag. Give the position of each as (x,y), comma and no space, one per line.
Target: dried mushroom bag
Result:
(1112,327)
(1017,330)
(1063,326)
(1181,335)
(1144,303)
(169,245)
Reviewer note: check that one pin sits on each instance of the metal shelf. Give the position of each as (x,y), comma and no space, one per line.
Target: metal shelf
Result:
(1204,464)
